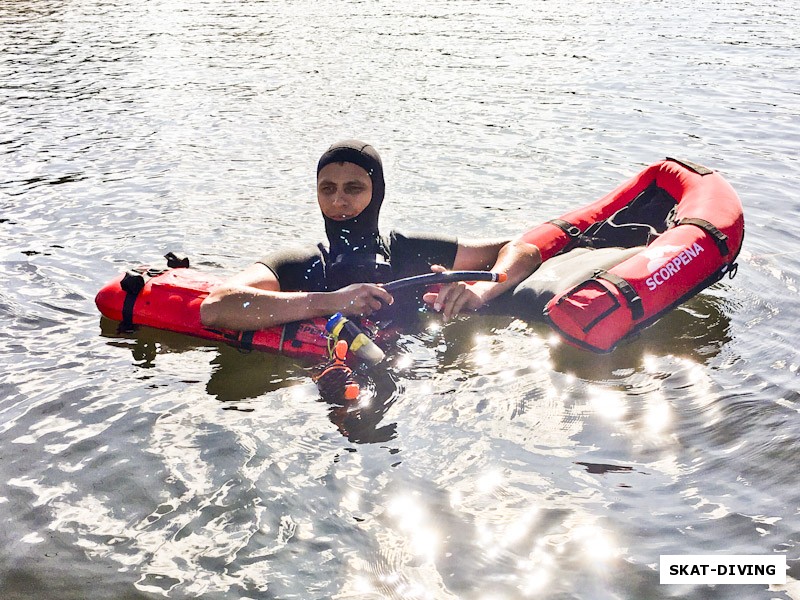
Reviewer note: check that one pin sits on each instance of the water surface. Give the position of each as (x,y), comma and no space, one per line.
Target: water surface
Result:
(504,465)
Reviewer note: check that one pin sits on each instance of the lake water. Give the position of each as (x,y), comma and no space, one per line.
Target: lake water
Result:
(504,465)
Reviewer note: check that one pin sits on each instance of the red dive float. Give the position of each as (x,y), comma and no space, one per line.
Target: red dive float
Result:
(170,299)
(693,246)
(683,223)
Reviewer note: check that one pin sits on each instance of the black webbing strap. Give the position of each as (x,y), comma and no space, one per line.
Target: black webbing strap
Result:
(175,261)
(720,239)
(627,291)
(132,284)
(573,231)
(699,169)
(283,339)
(246,340)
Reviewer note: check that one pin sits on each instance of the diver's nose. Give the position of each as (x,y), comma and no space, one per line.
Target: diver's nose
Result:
(340,199)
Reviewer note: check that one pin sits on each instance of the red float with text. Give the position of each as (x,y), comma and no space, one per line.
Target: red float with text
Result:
(703,236)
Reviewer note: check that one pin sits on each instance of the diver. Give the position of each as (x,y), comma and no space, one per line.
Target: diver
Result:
(345,275)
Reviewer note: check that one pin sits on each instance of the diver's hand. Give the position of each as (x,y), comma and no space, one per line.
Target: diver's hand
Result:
(454,298)
(360,299)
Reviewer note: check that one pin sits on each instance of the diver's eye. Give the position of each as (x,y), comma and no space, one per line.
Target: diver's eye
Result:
(354,189)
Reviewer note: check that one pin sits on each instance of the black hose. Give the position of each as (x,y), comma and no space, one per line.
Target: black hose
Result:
(446,277)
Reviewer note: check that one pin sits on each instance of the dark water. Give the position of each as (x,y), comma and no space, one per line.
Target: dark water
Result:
(504,465)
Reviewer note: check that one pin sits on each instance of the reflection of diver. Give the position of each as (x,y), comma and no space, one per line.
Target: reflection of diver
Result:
(360,411)
(359,420)
(237,376)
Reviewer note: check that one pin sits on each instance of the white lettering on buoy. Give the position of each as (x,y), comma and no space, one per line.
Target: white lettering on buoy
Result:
(663,270)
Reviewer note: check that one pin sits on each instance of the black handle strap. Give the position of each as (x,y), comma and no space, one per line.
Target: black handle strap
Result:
(720,239)
(627,291)
(573,231)
(132,283)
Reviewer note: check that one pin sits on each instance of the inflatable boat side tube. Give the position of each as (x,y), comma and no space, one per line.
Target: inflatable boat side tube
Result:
(697,249)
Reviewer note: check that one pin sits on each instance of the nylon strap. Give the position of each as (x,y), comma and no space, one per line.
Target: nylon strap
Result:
(573,231)
(699,169)
(175,261)
(720,239)
(627,291)
(246,340)
(132,284)
(282,340)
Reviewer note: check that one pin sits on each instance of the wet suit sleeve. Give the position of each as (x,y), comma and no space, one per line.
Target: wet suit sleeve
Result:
(414,254)
(298,269)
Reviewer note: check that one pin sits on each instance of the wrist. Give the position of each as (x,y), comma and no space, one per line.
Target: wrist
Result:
(321,304)
(484,291)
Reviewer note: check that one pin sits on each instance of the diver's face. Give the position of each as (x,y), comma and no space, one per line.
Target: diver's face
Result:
(344,190)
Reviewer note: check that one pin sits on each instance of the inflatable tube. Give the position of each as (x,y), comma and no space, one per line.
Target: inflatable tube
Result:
(611,268)
(687,224)
(170,299)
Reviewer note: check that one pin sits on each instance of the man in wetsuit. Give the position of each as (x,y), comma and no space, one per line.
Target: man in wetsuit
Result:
(344,275)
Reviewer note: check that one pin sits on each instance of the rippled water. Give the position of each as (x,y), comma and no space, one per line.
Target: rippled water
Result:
(503,465)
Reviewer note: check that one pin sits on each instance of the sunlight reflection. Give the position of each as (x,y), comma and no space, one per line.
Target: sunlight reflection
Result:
(650,364)
(362,585)
(299,393)
(704,396)
(485,538)
(596,544)
(482,357)
(508,376)
(404,362)
(521,529)
(352,500)
(537,571)
(426,389)
(490,481)
(535,582)
(610,404)
(365,398)
(701,384)
(413,520)
(658,415)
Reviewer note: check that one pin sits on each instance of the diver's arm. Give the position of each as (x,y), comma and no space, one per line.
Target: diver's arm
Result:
(253,300)
(517,259)
(477,255)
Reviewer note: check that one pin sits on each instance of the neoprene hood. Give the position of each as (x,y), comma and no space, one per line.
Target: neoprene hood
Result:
(359,234)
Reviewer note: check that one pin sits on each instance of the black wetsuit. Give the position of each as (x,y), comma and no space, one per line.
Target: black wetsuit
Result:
(306,269)
(356,252)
